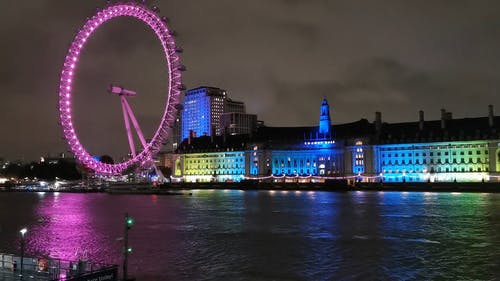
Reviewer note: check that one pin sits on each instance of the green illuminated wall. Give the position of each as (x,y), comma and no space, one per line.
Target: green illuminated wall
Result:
(220,166)
(497,157)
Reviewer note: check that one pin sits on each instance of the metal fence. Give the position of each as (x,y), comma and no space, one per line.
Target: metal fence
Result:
(40,268)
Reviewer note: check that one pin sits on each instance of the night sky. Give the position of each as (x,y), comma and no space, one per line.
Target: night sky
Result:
(280,57)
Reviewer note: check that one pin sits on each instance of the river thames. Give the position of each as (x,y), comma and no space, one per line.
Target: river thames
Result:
(266,235)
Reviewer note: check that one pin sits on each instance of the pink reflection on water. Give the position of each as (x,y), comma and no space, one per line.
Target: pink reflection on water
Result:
(66,230)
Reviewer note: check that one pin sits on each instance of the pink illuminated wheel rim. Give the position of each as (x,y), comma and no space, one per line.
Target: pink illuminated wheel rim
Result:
(159,26)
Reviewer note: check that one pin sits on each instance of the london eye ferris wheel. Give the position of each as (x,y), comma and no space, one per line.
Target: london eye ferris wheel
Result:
(173,89)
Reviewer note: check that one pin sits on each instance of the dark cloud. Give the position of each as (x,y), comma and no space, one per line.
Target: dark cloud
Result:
(281,57)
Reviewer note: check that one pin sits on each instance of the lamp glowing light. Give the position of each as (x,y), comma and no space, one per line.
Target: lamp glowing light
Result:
(23,231)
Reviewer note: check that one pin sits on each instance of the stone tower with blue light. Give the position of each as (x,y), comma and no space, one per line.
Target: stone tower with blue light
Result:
(324,119)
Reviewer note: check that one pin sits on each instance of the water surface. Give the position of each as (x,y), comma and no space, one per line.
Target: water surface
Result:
(267,235)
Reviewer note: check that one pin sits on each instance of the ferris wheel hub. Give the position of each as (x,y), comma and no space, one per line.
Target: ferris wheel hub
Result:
(121,91)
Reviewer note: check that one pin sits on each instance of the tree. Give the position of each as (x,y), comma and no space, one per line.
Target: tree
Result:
(106,159)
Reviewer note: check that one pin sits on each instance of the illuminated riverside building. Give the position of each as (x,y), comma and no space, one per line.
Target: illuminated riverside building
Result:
(211,159)
(220,166)
(436,161)
(446,150)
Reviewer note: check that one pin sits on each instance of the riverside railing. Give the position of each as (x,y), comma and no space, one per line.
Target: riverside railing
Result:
(51,269)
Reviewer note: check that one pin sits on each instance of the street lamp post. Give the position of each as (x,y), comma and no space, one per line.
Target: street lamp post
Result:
(23,232)
(129,222)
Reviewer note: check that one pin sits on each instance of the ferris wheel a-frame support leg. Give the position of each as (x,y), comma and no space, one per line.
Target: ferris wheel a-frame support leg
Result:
(128,113)
(127,126)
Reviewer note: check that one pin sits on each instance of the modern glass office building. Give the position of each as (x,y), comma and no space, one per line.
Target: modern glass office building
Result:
(203,109)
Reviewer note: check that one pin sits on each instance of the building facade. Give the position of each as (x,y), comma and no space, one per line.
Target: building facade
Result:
(219,166)
(446,150)
(231,106)
(436,161)
(237,123)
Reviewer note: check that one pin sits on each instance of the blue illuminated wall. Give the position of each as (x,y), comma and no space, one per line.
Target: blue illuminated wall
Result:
(296,162)
(310,158)
(358,152)
(196,115)
(317,162)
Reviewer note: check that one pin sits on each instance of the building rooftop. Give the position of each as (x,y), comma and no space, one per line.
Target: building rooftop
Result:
(464,129)
(454,130)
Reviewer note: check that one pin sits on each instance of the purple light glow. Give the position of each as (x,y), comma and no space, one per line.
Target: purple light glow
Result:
(66,230)
(161,30)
